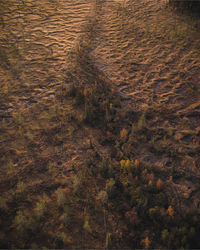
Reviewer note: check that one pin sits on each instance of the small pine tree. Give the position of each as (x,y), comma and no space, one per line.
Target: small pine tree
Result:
(170,211)
(146,243)
(123,134)
(159,184)
(108,240)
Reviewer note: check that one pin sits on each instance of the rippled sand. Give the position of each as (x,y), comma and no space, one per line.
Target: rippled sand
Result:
(36,37)
(133,45)
(150,53)
(143,47)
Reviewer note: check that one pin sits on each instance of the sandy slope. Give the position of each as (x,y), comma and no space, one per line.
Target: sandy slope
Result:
(137,48)
(139,45)
(36,37)
(150,53)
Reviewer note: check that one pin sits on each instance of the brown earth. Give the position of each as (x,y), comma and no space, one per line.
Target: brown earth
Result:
(53,156)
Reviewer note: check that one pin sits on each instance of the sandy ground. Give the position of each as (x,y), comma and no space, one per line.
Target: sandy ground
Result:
(36,37)
(149,52)
(140,46)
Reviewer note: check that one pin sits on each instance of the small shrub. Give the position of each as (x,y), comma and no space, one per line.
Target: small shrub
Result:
(133,129)
(76,183)
(126,166)
(86,225)
(50,167)
(61,197)
(104,169)
(3,203)
(146,243)
(170,211)
(66,216)
(159,184)
(142,121)
(65,219)
(150,184)
(136,164)
(34,246)
(102,196)
(164,235)
(153,212)
(20,187)
(22,222)
(60,240)
(11,166)
(63,237)
(123,134)
(150,177)
(122,163)
(132,217)
(18,119)
(108,240)
(192,232)
(110,188)
(70,131)
(40,208)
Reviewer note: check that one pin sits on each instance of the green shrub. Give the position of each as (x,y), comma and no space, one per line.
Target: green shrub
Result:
(110,188)
(66,217)
(108,240)
(77,183)
(86,225)
(102,196)
(3,203)
(20,188)
(61,197)
(126,166)
(141,122)
(22,222)
(165,235)
(41,208)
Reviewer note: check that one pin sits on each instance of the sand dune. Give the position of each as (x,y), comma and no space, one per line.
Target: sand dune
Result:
(151,55)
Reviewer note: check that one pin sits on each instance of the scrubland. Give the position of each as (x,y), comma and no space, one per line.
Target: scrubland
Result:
(99,125)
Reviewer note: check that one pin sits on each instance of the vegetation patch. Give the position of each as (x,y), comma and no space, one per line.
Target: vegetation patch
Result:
(87,160)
